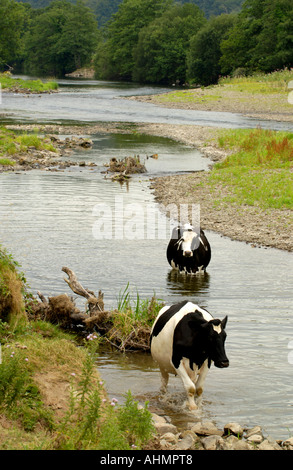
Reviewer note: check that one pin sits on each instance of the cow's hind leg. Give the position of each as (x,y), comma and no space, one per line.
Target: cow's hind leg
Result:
(164,380)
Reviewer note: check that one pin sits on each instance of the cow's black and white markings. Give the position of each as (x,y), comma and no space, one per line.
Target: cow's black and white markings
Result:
(188,250)
(185,340)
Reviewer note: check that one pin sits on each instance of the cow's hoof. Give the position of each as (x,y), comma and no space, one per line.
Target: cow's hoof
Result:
(199,391)
(192,406)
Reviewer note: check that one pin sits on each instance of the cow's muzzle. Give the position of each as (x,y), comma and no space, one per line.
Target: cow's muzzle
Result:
(188,254)
(222,364)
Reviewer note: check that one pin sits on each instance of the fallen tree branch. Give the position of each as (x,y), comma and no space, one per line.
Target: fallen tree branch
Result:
(62,310)
(96,305)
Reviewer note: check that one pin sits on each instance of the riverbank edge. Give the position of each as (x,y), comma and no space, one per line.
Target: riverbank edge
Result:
(266,228)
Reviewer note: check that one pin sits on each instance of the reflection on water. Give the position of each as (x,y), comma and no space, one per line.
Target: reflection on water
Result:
(46,223)
(170,157)
(188,285)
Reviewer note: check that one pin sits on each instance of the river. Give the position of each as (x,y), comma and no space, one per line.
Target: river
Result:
(50,219)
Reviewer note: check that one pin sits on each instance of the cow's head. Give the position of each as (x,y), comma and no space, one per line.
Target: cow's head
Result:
(216,337)
(188,240)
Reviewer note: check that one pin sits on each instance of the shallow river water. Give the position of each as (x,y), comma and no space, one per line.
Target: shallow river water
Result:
(51,219)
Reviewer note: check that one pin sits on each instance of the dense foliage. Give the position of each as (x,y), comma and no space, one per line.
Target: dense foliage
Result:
(150,41)
(11,30)
(60,39)
(104,9)
(205,50)
(160,52)
(262,37)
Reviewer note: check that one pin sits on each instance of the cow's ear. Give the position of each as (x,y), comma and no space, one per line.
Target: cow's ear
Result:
(195,320)
(224,322)
(176,233)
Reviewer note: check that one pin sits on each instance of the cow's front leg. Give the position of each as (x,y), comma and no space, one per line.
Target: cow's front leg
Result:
(201,378)
(188,385)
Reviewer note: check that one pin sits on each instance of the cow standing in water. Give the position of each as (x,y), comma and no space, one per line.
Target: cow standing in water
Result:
(188,250)
(185,339)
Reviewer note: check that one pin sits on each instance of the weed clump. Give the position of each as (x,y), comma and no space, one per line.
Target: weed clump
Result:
(12,283)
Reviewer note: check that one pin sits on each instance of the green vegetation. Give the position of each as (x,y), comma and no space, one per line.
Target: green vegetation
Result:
(11,289)
(176,43)
(30,86)
(104,9)
(188,96)
(259,169)
(260,39)
(42,365)
(6,162)
(204,54)
(46,42)
(144,309)
(12,16)
(60,39)
(12,143)
(132,320)
(160,52)
(162,41)
(266,86)
(267,83)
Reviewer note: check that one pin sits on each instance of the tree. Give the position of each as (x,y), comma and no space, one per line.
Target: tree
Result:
(12,17)
(217,7)
(79,35)
(160,54)
(62,37)
(262,37)
(122,35)
(274,45)
(205,51)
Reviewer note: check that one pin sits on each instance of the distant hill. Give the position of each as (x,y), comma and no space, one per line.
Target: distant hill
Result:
(104,9)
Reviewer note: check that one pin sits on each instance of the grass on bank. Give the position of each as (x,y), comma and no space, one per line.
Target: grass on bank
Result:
(133,319)
(264,83)
(30,86)
(258,83)
(259,170)
(142,310)
(51,395)
(37,357)
(12,143)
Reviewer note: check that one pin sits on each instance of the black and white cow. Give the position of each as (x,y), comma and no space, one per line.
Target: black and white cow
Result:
(188,250)
(185,339)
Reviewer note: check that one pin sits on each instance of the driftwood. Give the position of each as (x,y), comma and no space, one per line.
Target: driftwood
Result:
(62,310)
(126,166)
(96,305)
